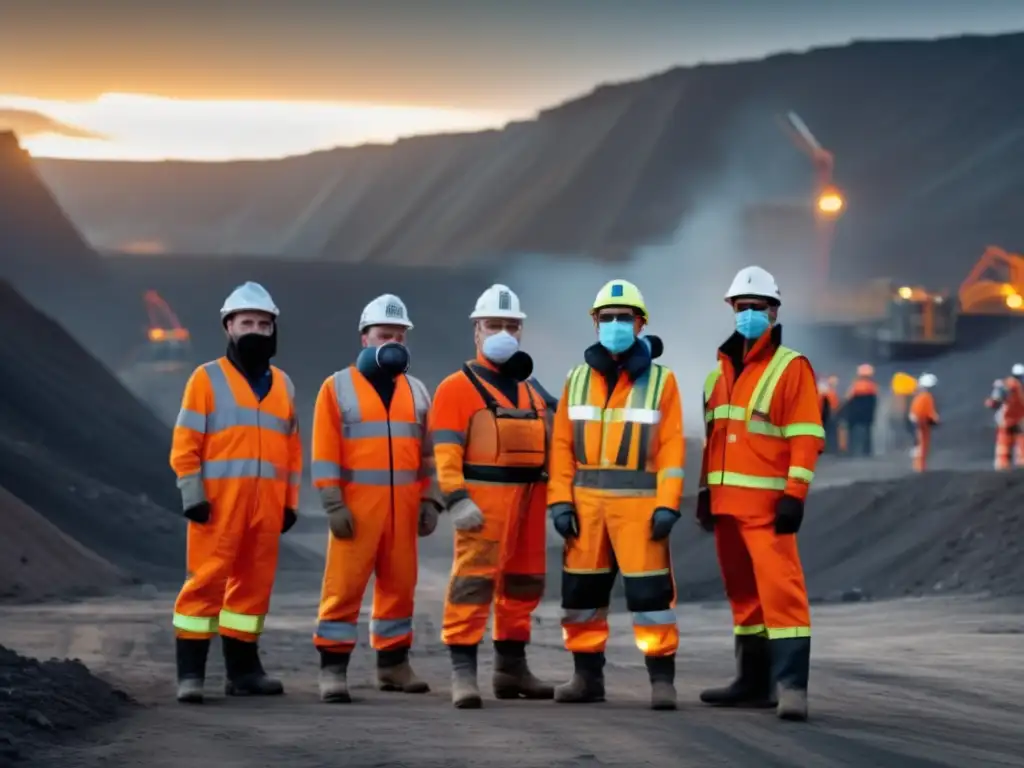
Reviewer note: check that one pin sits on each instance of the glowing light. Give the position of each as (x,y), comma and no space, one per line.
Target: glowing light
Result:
(831,203)
(906,292)
(1014,301)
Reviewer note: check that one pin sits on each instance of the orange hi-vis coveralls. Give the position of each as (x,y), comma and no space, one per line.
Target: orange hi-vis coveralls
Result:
(924,416)
(764,435)
(493,451)
(617,455)
(1009,405)
(381,460)
(244,457)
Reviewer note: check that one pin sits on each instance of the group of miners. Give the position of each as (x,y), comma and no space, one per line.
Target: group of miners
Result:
(500,456)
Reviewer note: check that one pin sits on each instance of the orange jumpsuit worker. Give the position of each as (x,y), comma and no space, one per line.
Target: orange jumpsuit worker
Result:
(924,416)
(489,428)
(372,466)
(616,483)
(238,457)
(1007,400)
(859,411)
(828,402)
(764,435)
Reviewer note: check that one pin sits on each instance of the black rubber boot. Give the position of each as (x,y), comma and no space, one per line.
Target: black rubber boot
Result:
(753,684)
(465,691)
(791,666)
(512,676)
(191,658)
(333,680)
(587,683)
(662,671)
(394,673)
(244,671)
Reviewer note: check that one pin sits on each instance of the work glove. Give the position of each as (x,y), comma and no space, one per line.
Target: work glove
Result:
(199,513)
(789,514)
(466,515)
(290,518)
(705,519)
(565,520)
(339,520)
(429,512)
(661,523)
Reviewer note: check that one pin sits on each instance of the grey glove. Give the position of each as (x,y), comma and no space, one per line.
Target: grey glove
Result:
(339,517)
(565,520)
(466,515)
(661,523)
(430,510)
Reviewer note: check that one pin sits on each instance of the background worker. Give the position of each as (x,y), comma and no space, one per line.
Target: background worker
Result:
(859,411)
(373,468)
(489,429)
(238,457)
(924,416)
(616,482)
(1007,400)
(764,436)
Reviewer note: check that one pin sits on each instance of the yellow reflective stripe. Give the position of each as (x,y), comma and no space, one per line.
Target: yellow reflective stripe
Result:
(241,622)
(711,380)
(754,629)
(788,633)
(804,430)
(799,473)
(761,398)
(747,481)
(577,384)
(763,428)
(197,624)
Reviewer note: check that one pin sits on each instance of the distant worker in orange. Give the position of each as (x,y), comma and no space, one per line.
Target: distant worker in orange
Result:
(238,458)
(373,468)
(489,429)
(764,435)
(924,416)
(1007,400)
(859,411)
(616,483)
(828,399)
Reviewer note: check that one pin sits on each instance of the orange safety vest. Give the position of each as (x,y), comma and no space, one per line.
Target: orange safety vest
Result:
(922,410)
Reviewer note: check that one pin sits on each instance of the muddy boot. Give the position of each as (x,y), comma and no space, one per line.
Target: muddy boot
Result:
(587,684)
(512,676)
(465,691)
(191,669)
(753,684)
(333,680)
(662,671)
(244,671)
(395,674)
(791,662)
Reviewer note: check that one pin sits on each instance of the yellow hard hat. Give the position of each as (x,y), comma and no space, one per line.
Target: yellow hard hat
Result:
(620,293)
(903,384)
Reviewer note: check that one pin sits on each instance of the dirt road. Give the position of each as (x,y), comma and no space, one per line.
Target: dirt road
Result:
(902,684)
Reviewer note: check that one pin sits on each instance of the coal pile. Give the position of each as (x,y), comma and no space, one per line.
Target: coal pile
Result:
(41,701)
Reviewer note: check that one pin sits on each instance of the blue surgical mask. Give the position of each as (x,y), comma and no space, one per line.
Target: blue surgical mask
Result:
(499,347)
(616,336)
(752,323)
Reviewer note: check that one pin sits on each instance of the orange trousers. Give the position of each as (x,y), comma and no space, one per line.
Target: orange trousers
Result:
(615,534)
(1009,447)
(232,562)
(923,448)
(503,564)
(385,544)
(764,579)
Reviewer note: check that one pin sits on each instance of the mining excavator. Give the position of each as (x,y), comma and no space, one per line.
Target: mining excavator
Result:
(168,348)
(995,286)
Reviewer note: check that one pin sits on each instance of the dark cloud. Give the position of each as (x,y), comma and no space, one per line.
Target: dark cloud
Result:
(27,123)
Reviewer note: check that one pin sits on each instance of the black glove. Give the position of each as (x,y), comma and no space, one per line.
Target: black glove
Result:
(290,518)
(566,523)
(789,514)
(199,513)
(661,523)
(705,519)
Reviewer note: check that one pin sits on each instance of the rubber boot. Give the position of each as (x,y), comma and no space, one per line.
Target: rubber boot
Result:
(753,684)
(244,671)
(662,671)
(191,657)
(512,676)
(465,691)
(394,673)
(333,680)
(791,662)
(587,683)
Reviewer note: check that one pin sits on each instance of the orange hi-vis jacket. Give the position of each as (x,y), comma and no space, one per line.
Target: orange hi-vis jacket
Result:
(244,456)
(922,410)
(1011,407)
(764,430)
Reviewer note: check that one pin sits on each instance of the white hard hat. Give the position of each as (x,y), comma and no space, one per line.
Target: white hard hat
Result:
(251,297)
(385,310)
(754,281)
(927,380)
(498,301)
(1018,369)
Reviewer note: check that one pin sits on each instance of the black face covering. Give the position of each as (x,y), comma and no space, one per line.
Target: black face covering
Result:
(391,360)
(252,352)
(518,367)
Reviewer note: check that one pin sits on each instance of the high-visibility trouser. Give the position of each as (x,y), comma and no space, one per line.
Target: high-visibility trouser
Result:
(384,544)
(503,564)
(232,560)
(615,535)
(1009,447)
(923,447)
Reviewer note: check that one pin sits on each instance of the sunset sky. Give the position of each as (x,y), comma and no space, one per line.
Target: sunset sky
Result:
(222,79)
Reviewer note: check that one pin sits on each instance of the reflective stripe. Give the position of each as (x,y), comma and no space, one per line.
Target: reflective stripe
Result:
(755,629)
(788,633)
(382,429)
(674,473)
(379,476)
(230,469)
(228,413)
(241,622)
(747,481)
(390,627)
(339,631)
(197,624)
(325,470)
(616,479)
(799,473)
(448,437)
(192,491)
(583,615)
(191,420)
(654,618)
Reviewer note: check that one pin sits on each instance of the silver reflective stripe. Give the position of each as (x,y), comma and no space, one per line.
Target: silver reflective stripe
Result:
(339,631)
(191,420)
(230,469)
(654,618)
(381,429)
(448,437)
(325,470)
(227,412)
(192,493)
(346,397)
(378,476)
(390,627)
(583,615)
